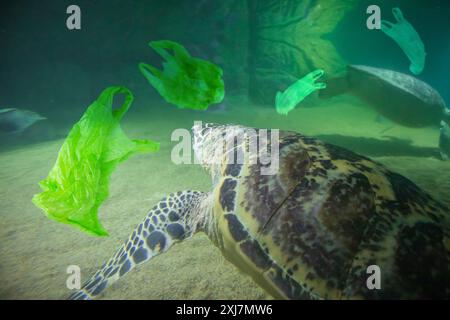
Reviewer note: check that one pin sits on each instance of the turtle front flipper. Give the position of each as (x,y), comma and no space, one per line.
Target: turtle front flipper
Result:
(172,220)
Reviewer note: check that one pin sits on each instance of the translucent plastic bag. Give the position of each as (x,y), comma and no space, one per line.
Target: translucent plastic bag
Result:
(408,40)
(298,91)
(78,182)
(185,81)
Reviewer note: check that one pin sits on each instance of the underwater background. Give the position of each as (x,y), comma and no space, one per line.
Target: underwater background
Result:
(262,46)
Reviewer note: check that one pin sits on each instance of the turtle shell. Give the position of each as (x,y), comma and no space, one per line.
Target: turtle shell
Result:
(312,229)
(397,96)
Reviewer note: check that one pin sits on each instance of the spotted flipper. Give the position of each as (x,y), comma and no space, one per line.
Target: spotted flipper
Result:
(170,221)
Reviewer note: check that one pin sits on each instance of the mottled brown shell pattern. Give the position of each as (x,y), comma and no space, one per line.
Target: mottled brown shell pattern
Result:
(312,229)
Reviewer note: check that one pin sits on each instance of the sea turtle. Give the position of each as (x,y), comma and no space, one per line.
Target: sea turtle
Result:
(397,96)
(310,230)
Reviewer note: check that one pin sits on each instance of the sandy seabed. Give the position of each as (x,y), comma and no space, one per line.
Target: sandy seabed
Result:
(35,251)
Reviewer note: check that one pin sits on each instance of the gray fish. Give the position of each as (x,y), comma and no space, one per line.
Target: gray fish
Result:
(16,120)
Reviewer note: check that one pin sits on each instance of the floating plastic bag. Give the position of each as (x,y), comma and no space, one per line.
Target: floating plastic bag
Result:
(184,81)
(299,90)
(407,38)
(78,182)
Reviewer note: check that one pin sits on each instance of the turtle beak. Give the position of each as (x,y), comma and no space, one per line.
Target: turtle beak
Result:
(197,129)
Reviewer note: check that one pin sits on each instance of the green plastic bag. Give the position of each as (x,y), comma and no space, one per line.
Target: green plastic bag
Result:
(408,40)
(78,182)
(298,91)
(185,81)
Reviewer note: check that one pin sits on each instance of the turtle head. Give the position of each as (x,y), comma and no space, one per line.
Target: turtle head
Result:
(212,143)
(217,146)
(206,137)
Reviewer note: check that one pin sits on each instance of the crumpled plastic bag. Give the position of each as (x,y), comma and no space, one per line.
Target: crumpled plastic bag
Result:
(408,40)
(185,81)
(78,182)
(298,91)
